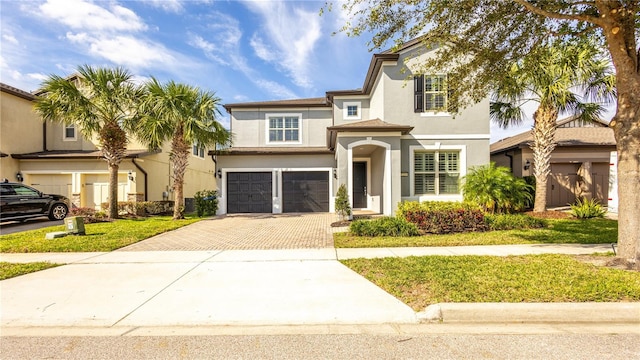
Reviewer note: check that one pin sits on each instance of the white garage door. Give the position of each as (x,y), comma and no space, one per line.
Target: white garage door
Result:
(59,184)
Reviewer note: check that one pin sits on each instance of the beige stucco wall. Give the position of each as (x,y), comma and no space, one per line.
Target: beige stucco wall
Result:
(20,132)
(249,128)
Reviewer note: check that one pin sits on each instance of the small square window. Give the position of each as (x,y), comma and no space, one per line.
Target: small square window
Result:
(69,132)
(352,111)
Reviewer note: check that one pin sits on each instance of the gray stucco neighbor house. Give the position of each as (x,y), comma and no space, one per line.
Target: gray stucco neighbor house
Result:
(390,141)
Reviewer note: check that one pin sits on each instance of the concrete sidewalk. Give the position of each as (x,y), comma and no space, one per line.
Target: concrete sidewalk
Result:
(306,254)
(125,290)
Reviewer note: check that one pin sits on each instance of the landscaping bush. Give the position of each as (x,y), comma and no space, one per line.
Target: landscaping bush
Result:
(141,208)
(206,202)
(513,221)
(384,226)
(442,217)
(496,189)
(587,209)
(90,215)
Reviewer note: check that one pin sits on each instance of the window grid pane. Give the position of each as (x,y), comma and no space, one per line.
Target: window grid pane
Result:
(436,177)
(435,88)
(283,129)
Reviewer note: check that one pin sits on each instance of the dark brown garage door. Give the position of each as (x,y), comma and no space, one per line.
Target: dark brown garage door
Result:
(305,191)
(249,192)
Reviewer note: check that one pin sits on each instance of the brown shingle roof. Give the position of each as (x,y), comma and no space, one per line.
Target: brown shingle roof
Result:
(578,136)
(274,151)
(309,102)
(78,154)
(17,92)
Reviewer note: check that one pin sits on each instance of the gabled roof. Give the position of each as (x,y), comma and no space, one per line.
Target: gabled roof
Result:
(79,154)
(565,136)
(16,92)
(375,125)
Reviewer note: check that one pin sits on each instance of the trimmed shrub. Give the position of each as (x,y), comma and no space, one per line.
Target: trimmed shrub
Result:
(513,221)
(90,215)
(141,208)
(496,189)
(587,209)
(206,202)
(438,217)
(384,226)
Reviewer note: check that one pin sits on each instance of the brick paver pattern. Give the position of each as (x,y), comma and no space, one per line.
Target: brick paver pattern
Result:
(246,232)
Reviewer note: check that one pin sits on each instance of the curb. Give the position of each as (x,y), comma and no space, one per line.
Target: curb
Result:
(609,312)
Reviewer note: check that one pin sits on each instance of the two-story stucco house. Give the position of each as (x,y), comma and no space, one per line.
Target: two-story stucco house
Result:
(57,159)
(392,140)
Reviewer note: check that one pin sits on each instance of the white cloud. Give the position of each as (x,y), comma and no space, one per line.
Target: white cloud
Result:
(84,15)
(10,38)
(124,50)
(167,5)
(292,32)
(222,45)
(37,76)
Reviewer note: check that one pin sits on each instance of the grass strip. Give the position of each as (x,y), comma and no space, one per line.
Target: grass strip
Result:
(9,270)
(421,281)
(564,231)
(106,236)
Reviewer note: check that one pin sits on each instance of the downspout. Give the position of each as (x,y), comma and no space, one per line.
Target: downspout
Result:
(510,156)
(44,136)
(146,193)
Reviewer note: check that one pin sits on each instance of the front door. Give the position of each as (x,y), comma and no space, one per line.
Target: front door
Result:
(359,194)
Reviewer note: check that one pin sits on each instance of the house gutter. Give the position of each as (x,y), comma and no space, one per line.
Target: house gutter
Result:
(146,193)
(510,156)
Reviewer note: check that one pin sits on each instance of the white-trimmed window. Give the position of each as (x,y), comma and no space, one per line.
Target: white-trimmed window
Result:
(352,110)
(284,128)
(431,93)
(69,133)
(197,150)
(436,172)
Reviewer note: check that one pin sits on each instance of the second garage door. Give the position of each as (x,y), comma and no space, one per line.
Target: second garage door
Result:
(249,192)
(305,191)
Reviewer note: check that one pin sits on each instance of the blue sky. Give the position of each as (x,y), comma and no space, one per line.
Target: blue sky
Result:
(242,50)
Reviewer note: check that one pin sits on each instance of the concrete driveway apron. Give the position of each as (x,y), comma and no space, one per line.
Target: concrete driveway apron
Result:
(281,285)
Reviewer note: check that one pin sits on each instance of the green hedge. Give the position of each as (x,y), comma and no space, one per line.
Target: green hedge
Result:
(384,226)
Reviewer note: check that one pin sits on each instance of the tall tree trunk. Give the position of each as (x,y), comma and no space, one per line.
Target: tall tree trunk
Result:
(180,161)
(544,130)
(113,190)
(619,28)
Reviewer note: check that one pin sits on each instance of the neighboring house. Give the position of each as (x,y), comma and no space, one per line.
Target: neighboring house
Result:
(392,140)
(579,163)
(55,158)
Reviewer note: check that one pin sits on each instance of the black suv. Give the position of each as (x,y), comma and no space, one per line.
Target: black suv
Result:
(21,202)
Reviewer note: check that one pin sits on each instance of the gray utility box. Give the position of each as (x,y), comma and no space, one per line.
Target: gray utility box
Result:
(74,225)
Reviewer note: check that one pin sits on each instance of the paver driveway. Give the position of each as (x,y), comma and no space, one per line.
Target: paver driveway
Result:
(245,232)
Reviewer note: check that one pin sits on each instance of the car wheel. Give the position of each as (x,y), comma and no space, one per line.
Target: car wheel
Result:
(58,212)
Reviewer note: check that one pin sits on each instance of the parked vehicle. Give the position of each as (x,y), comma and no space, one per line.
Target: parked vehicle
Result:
(22,202)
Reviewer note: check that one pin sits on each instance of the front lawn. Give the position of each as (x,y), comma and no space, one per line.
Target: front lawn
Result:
(106,236)
(422,281)
(559,231)
(9,270)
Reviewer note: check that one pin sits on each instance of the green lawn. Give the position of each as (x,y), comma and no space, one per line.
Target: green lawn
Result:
(105,236)
(565,231)
(9,270)
(422,281)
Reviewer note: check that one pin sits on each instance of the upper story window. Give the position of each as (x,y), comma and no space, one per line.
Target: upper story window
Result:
(436,172)
(69,133)
(431,93)
(283,128)
(198,150)
(352,111)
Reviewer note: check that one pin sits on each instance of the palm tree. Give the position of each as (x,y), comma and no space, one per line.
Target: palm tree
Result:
(187,116)
(101,102)
(573,79)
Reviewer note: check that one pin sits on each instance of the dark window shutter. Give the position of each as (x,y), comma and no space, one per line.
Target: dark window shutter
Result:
(418,93)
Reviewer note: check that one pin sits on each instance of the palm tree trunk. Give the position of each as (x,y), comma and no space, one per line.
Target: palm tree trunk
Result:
(544,130)
(180,161)
(113,191)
